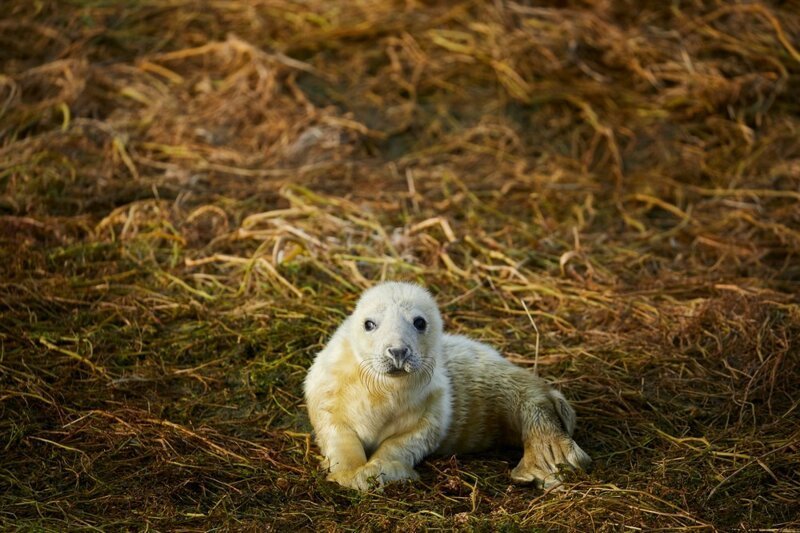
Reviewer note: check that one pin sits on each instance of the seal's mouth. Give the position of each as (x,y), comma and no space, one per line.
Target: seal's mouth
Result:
(396,362)
(389,368)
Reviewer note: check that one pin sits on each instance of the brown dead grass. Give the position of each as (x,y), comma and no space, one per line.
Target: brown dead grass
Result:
(192,196)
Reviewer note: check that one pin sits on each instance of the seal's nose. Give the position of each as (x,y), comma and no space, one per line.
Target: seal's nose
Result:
(399,356)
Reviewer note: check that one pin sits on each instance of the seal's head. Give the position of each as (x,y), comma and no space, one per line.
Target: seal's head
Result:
(397,330)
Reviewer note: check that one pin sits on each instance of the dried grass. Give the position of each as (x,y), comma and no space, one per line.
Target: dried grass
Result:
(192,196)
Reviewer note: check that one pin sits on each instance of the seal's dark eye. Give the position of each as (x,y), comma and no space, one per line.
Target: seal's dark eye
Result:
(420,323)
(369,325)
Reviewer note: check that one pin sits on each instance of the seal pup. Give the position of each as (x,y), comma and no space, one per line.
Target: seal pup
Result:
(391,387)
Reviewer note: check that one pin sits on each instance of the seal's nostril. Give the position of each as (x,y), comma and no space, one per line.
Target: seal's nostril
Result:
(399,353)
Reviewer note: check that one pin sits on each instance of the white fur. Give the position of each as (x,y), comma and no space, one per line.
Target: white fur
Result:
(375,419)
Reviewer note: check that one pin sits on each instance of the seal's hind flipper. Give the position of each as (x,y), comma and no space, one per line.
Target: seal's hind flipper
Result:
(564,410)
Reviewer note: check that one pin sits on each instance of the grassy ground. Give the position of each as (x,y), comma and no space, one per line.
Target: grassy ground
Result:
(192,195)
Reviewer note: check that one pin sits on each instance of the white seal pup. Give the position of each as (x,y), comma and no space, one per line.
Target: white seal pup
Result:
(391,387)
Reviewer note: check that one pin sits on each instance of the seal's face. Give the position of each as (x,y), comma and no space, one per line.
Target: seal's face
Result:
(397,330)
